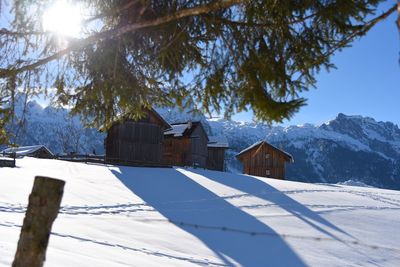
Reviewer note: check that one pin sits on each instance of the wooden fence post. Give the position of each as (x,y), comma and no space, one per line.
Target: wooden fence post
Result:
(14,156)
(44,203)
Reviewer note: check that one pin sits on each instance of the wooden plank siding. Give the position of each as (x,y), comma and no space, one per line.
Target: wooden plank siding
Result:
(199,143)
(216,158)
(137,141)
(177,151)
(42,153)
(4,162)
(189,148)
(265,161)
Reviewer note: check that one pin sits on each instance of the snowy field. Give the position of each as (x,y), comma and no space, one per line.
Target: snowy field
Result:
(123,216)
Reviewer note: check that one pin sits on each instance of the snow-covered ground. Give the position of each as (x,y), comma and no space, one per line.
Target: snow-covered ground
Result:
(123,216)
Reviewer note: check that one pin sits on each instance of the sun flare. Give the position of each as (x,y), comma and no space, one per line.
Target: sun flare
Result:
(63,18)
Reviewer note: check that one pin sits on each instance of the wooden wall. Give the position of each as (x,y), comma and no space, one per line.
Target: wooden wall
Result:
(7,163)
(42,153)
(187,150)
(264,161)
(152,118)
(135,141)
(216,158)
(177,151)
(199,146)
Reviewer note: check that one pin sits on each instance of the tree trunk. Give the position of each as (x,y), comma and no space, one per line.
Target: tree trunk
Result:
(44,203)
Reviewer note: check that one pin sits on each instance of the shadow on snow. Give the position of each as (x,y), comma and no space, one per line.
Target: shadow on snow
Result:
(261,189)
(180,199)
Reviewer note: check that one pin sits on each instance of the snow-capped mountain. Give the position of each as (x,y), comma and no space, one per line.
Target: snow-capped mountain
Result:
(346,148)
(54,128)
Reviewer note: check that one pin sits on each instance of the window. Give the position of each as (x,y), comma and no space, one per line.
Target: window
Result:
(268,172)
(267,156)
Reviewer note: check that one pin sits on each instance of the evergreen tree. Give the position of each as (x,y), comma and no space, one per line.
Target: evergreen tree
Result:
(215,55)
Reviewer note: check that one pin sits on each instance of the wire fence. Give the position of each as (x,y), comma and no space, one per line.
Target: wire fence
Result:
(284,236)
(251,233)
(105,160)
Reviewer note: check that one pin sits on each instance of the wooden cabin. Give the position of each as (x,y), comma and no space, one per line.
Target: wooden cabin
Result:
(216,153)
(185,144)
(264,159)
(37,151)
(137,142)
(7,162)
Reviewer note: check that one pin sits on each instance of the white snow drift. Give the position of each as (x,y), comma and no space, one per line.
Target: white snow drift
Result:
(124,216)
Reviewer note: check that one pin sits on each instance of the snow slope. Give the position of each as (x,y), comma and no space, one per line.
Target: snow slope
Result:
(124,216)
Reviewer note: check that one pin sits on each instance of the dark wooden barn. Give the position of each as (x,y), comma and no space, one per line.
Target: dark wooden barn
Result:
(263,159)
(216,153)
(7,162)
(37,151)
(185,144)
(137,142)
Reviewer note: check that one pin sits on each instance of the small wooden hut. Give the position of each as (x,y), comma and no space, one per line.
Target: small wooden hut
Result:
(7,162)
(137,142)
(185,144)
(216,153)
(264,159)
(37,151)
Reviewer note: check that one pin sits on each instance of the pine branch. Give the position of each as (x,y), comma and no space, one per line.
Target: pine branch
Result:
(362,30)
(253,24)
(81,43)
(4,31)
(398,11)
(235,22)
(113,12)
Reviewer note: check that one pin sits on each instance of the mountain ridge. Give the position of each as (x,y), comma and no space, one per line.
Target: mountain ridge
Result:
(348,147)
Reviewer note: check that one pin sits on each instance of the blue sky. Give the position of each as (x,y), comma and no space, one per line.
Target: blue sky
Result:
(366,81)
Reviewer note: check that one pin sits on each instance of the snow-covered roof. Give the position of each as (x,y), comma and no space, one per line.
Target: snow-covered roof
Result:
(24,150)
(5,159)
(124,117)
(249,148)
(218,141)
(183,129)
(265,142)
(177,129)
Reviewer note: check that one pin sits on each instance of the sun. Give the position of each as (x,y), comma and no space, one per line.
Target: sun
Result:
(63,18)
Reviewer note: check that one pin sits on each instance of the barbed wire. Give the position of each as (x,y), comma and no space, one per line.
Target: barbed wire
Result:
(284,236)
(252,232)
(266,234)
